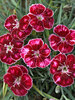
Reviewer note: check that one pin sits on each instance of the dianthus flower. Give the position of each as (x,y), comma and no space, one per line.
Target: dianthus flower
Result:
(9,49)
(63,69)
(19,29)
(40,17)
(18,80)
(64,40)
(36,53)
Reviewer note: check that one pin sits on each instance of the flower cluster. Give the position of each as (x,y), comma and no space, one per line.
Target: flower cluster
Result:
(63,67)
(36,53)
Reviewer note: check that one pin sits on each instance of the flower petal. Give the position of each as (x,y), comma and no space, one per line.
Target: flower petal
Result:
(61,58)
(71,30)
(31,16)
(30,60)
(37,9)
(61,30)
(54,66)
(11,22)
(15,71)
(21,34)
(64,47)
(9,79)
(54,41)
(43,62)
(5,39)
(14,34)
(37,25)
(28,31)
(19,90)
(44,50)
(17,43)
(6,58)
(24,69)
(47,13)
(2,49)
(70,60)
(71,38)
(26,50)
(73,70)
(16,54)
(48,22)
(24,22)
(36,44)
(63,79)
(26,81)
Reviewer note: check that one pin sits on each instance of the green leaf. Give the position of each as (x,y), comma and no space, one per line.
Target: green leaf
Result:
(5,86)
(59,15)
(72,23)
(26,6)
(43,94)
(69,93)
(14,3)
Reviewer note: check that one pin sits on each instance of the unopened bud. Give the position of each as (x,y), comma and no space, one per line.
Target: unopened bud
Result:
(57,89)
(14,12)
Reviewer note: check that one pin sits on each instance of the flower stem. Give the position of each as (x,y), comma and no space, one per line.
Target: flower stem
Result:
(63,96)
(44,94)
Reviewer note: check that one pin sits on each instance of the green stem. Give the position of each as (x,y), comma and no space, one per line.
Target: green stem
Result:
(44,94)
(63,96)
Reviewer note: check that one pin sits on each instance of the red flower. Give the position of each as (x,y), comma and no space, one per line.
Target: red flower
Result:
(63,41)
(18,80)
(41,17)
(36,54)
(10,49)
(19,29)
(63,69)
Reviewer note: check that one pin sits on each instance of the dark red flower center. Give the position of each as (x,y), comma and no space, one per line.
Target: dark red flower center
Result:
(63,68)
(36,53)
(16,25)
(17,81)
(8,47)
(40,17)
(63,39)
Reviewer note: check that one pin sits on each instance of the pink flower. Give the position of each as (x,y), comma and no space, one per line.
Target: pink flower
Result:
(63,69)
(36,53)
(63,41)
(41,17)
(19,29)
(18,80)
(10,49)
